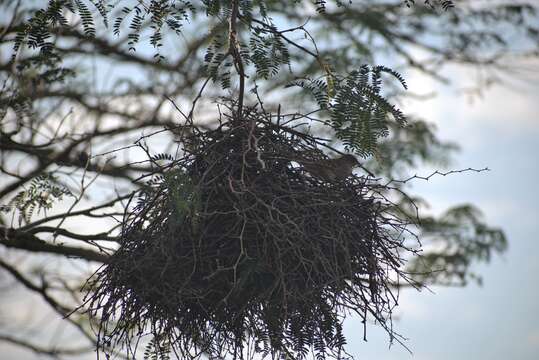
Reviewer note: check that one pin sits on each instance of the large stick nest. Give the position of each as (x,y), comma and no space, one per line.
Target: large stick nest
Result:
(234,249)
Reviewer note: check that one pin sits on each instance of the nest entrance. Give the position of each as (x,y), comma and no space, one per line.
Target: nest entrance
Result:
(234,249)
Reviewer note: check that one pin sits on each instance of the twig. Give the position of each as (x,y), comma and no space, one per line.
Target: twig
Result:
(427,178)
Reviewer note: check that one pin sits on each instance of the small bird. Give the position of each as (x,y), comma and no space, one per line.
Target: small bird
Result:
(332,169)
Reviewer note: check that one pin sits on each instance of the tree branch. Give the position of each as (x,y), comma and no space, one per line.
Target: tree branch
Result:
(22,240)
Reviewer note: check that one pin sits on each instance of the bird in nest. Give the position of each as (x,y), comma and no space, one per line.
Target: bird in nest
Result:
(332,169)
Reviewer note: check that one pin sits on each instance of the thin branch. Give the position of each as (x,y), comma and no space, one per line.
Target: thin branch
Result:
(84,212)
(60,231)
(427,178)
(280,34)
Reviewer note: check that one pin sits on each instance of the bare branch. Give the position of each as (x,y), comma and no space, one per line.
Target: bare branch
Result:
(23,240)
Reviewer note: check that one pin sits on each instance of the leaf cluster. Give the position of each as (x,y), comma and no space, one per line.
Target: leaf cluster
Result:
(43,191)
(359,114)
(38,31)
(445,4)
(157,349)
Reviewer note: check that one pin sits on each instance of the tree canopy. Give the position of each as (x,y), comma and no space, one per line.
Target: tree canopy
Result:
(98,94)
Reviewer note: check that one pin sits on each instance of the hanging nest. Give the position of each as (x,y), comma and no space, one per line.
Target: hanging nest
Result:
(235,249)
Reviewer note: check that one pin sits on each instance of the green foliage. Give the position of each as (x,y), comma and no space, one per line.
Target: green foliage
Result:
(446,4)
(215,54)
(41,27)
(101,7)
(267,51)
(135,26)
(157,350)
(359,113)
(39,30)
(182,193)
(157,14)
(86,17)
(42,193)
(32,75)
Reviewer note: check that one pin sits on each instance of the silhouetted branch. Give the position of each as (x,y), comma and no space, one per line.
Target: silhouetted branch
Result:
(23,240)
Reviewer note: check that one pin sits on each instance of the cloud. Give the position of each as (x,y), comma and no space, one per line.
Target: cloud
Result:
(503,110)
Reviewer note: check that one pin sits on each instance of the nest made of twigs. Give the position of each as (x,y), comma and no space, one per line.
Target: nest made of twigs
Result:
(236,249)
